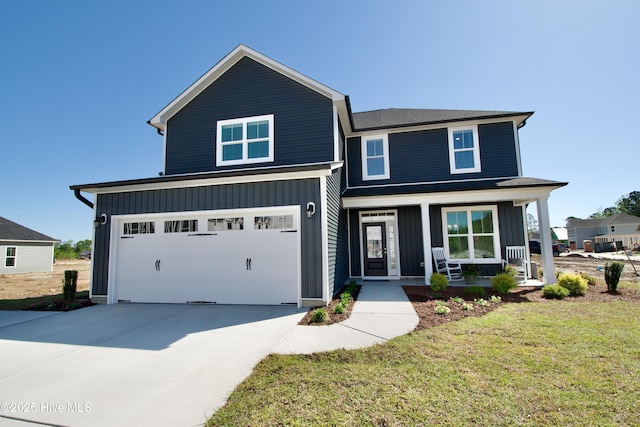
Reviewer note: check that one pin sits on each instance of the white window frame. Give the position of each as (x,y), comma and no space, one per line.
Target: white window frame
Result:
(496,233)
(476,150)
(385,156)
(14,256)
(244,141)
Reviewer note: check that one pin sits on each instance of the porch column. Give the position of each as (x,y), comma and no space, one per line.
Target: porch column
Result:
(549,276)
(426,242)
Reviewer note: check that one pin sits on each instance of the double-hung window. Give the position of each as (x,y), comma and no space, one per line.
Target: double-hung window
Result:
(246,140)
(375,157)
(471,233)
(10,256)
(464,150)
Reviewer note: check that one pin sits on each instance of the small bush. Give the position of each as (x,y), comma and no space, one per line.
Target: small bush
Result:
(612,272)
(69,285)
(339,308)
(495,298)
(467,306)
(351,288)
(510,270)
(555,291)
(319,315)
(438,282)
(575,284)
(590,279)
(345,297)
(503,282)
(442,309)
(474,291)
(457,300)
(481,302)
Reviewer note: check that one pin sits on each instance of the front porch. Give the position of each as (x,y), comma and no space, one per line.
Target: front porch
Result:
(484,281)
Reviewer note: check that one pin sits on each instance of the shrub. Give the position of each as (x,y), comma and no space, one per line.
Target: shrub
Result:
(351,288)
(457,299)
(481,302)
(474,291)
(467,306)
(590,279)
(319,315)
(339,308)
(555,291)
(442,308)
(70,285)
(345,297)
(495,298)
(510,270)
(438,282)
(575,284)
(612,272)
(503,282)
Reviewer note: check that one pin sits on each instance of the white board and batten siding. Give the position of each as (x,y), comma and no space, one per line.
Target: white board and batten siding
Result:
(244,256)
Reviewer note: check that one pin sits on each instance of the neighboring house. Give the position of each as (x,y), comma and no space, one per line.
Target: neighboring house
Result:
(619,227)
(274,192)
(23,250)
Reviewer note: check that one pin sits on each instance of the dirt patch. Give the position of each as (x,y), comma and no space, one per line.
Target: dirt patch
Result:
(591,265)
(30,285)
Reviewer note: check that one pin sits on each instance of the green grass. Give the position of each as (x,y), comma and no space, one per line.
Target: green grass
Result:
(25,303)
(553,363)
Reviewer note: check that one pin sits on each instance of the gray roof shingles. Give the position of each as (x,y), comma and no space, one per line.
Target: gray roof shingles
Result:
(10,230)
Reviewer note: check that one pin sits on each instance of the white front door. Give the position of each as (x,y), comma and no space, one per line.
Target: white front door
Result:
(224,257)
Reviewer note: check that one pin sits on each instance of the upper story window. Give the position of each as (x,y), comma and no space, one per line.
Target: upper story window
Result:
(464,149)
(246,140)
(375,157)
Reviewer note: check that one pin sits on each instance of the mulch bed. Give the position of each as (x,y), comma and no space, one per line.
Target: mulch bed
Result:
(61,305)
(423,300)
(333,317)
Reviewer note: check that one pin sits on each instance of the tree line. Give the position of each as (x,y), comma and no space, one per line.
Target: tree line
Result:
(629,204)
(69,250)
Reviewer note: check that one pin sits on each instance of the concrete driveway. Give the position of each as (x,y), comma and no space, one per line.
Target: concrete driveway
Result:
(131,364)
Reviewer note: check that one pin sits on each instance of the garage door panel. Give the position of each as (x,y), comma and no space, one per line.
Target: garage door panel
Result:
(213,266)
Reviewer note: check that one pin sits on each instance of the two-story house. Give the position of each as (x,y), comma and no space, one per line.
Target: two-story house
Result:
(620,227)
(273,191)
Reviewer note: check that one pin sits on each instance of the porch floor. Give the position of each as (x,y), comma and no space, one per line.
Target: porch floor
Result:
(420,281)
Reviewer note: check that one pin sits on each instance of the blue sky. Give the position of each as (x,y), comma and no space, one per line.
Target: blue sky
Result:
(80,79)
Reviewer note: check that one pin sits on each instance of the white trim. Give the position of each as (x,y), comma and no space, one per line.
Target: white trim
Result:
(93,252)
(447,181)
(164,150)
(364,157)
(517,195)
(15,257)
(477,167)
(426,241)
(516,138)
(210,181)
(244,142)
(324,227)
(470,234)
(336,135)
(28,241)
(161,118)
(349,238)
(396,243)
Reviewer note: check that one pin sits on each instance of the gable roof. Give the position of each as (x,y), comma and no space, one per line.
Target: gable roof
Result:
(400,117)
(616,219)
(10,230)
(159,121)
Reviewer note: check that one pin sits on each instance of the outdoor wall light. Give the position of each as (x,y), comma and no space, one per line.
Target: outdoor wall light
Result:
(101,220)
(311,209)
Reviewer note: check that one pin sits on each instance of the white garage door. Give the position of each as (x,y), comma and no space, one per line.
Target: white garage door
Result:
(224,257)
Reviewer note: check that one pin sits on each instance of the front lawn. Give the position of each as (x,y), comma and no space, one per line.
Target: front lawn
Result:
(542,363)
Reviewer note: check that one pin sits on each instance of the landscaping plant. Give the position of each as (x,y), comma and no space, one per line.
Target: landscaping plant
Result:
(438,282)
(339,308)
(555,291)
(612,272)
(590,279)
(574,283)
(70,285)
(503,282)
(474,291)
(319,315)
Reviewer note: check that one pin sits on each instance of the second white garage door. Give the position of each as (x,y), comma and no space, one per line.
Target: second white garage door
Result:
(224,257)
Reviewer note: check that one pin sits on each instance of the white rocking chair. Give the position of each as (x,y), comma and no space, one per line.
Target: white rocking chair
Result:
(453,270)
(517,259)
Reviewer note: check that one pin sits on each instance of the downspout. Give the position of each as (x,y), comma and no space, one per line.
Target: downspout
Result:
(83,199)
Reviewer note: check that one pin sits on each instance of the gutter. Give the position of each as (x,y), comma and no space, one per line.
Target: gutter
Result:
(83,199)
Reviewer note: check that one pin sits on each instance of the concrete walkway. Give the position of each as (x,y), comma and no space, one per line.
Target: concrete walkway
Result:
(381,312)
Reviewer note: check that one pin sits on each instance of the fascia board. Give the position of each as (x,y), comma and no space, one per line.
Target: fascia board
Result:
(517,195)
(160,119)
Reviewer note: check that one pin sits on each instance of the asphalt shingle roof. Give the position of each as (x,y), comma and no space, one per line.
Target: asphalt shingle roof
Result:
(397,117)
(619,218)
(9,230)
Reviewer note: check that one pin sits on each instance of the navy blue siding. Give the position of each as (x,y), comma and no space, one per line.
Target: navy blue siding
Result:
(336,234)
(354,242)
(303,119)
(410,240)
(423,156)
(230,196)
